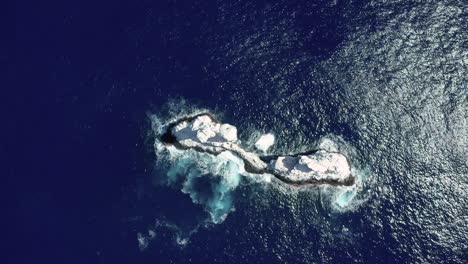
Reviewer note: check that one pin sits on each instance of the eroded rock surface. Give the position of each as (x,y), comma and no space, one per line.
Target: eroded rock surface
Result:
(320,166)
(204,133)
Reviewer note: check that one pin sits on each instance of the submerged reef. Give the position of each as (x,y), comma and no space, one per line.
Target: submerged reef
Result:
(204,133)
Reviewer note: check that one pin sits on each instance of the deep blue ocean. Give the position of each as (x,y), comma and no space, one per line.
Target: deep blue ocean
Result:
(88,81)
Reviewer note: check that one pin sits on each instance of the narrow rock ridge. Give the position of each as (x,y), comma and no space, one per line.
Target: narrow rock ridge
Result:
(204,133)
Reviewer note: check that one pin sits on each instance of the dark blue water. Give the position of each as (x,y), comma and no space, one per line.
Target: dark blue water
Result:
(388,78)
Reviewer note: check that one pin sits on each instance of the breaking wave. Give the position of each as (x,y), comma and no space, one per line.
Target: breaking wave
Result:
(211,180)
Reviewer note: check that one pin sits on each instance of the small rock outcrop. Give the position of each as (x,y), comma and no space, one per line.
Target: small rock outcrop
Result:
(320,166)
(204,133)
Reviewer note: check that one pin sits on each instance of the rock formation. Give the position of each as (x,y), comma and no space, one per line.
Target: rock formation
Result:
(204,133)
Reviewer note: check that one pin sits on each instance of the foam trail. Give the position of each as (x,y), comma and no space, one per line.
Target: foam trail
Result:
(346,198)
(209,180)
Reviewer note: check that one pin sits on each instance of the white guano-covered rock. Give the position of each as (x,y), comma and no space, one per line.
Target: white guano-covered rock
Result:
(205,134)
(228,132)
(203,129)
(321,165)
(265,142)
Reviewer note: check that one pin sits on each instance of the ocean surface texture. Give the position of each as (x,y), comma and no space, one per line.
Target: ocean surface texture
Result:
(384,82)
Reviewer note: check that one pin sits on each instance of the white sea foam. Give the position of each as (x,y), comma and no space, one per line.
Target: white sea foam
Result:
(142,241)
(211,180)
(349,198)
